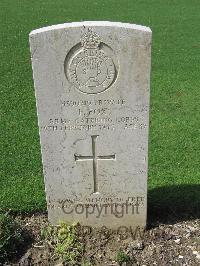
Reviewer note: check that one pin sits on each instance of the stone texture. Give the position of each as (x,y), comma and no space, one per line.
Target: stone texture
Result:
(92,84)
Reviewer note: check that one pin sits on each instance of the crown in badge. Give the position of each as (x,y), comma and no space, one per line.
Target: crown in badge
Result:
(90,40)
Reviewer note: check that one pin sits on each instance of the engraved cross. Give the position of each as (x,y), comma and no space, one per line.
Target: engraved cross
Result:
(94,158)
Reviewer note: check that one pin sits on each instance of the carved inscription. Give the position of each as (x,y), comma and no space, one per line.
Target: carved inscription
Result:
(97,115)
(117,207)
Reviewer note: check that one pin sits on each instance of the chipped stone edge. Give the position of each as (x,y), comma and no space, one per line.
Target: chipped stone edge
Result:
(91,24)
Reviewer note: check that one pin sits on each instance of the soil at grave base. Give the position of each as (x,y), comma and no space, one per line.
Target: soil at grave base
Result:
(165,244)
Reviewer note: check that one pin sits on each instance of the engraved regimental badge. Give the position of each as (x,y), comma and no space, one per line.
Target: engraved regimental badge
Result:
(89,68)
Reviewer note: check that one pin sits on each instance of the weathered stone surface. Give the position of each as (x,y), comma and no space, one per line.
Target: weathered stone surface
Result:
(92,84)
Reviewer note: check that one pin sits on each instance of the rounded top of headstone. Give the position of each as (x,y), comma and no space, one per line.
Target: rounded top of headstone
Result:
(91,24)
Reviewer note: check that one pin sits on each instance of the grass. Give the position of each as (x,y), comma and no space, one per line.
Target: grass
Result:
(122,257)
(11,237)
(64,242)
(174,153)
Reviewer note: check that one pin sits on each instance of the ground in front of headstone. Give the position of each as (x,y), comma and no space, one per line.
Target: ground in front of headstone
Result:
(164,244)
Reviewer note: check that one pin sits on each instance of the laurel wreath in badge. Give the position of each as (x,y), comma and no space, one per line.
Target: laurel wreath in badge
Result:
(90,69)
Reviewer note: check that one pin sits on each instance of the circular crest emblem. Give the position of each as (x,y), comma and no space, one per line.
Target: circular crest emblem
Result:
(90,69)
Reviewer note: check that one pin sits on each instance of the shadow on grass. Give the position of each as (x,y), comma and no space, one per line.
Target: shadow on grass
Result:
(171,204)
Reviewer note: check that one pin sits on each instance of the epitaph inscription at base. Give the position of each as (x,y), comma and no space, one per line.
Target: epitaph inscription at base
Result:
(92,90)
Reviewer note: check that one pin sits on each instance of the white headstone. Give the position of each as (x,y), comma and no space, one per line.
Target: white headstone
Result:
(92,84)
